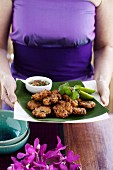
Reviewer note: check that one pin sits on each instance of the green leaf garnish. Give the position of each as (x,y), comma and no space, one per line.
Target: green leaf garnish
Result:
(65,89)
(75,91)
(74,95)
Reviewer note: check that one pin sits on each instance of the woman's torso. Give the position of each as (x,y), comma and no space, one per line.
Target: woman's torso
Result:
(47,22)
(57,27)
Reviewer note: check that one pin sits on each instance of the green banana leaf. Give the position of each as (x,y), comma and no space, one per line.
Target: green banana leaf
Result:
(24,96)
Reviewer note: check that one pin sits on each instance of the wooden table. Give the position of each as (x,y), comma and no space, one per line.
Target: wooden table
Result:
(92,141)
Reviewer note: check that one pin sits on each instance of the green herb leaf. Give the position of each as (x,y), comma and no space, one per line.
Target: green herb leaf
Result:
(65,89)
(74,95)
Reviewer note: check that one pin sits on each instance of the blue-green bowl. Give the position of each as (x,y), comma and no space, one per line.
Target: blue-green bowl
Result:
(14,147)
(11,130)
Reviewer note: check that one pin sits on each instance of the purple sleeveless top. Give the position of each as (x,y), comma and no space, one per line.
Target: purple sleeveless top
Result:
(53,38)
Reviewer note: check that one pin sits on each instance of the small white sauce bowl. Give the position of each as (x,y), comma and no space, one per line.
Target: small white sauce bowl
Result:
(36,89)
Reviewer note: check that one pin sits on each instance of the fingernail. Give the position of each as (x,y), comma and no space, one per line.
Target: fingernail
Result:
(13,100)
(105,101)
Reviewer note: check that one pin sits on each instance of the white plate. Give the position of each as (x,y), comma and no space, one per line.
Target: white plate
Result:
(20,114)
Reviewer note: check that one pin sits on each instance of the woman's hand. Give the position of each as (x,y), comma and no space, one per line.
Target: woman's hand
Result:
(104,92)
(8,87)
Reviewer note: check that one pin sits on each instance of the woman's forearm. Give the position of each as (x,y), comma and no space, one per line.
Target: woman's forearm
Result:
(103,64)
(8,84)
(4,65)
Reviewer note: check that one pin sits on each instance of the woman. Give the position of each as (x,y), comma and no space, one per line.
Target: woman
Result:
(55,39)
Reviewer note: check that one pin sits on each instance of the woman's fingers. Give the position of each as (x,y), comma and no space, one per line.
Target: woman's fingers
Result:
(104,92)
(11,93)
(105,98)
(5,98)
(8,87)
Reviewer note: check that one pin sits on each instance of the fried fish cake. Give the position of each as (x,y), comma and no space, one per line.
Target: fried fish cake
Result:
(41,112)
(55,92)
(68,99)
(39,96)
(47,101)
(52,99)
(32,104)
(79,111)
(66,105)
(63,109)
(87,104)
(60,111)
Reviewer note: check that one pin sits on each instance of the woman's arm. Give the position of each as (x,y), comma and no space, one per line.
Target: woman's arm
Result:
(8,84)
(5,18)
(103,48)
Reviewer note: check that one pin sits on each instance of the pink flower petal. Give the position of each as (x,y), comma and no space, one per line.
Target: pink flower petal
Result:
(63,167)
(21,155)
(71,157)
(27,146)
(59,145)
(36,142)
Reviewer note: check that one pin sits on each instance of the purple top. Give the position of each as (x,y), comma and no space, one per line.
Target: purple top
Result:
(53,22)
(53,38)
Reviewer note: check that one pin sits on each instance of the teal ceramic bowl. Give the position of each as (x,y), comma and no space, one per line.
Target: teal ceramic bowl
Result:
(14,147)
(11,130)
